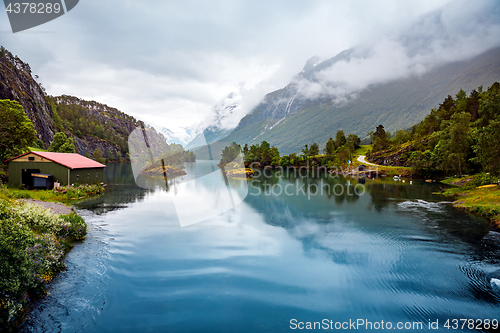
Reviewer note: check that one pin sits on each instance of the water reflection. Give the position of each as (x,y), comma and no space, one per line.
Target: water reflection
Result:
(277,257)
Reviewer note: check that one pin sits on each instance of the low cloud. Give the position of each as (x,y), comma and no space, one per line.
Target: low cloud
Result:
(458,31)
(155,60)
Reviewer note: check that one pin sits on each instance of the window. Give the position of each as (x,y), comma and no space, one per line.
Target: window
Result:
(77,176)
(31,158)
(88,176)
(96,174)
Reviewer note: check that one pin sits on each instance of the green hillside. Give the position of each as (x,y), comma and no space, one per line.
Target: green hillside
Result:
(396,105)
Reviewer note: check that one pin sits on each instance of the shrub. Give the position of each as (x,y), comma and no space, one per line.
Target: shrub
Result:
(33,242)
(77,228)
(484,179)
(39,219)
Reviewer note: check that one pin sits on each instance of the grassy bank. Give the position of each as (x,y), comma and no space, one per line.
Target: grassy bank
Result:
(33,243)
(477,194)
(62,194)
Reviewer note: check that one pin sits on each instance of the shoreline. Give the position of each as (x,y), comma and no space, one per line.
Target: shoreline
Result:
(482,200)
(38,229)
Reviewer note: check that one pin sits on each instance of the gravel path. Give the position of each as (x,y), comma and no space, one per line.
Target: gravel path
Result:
(55,207)
(361,158)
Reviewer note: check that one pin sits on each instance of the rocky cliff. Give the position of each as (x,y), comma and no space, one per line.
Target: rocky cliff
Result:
(92,125)
(16,83)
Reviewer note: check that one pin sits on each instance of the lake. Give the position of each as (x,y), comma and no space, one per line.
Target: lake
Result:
(295,250)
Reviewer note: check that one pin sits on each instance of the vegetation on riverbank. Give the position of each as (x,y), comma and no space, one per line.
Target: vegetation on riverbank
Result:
(479,194)
(339,156)
(461,136)
(63,194)
(156,169)
(33,243)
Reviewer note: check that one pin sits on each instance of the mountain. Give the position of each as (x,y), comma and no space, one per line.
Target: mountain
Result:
(217,125)
(16,83)
(288,120)
(181,136)
(92,125)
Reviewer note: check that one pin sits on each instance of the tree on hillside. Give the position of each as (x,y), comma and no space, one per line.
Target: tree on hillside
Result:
(353,141)
(16,130)
(488,146)
(284,161)
(62,144)
(340,139)
(401,137)
(330,147)
(68,146)
(98,155)
(380,139)
(454,141)
(275,156)
(189,156)
(314,149)
(266,157)
(230,153)
(305,150)
(57,141)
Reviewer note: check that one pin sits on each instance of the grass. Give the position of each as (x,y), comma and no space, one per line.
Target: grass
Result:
(65,194)
(36,149)
(362,150)
(483,200)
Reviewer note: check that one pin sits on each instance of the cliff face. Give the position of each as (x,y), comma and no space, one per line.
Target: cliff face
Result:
(89,144)
(91,124)
(16,83)
(390,158)
(95,125)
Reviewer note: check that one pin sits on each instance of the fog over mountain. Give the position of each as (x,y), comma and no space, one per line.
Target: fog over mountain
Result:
(171,62)
(443,36)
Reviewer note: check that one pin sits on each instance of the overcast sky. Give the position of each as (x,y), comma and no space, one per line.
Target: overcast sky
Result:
(170,62)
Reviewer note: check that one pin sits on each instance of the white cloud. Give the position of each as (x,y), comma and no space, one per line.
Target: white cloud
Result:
(170,62)
(457,32)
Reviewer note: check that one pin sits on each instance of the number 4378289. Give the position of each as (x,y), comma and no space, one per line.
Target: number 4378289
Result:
(33,8)
(471,324)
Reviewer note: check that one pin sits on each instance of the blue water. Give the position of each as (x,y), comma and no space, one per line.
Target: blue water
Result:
(151,263)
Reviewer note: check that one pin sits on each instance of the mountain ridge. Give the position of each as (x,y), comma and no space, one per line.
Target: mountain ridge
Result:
(397,104)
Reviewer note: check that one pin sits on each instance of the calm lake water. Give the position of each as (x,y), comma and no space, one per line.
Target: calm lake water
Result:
(387,251)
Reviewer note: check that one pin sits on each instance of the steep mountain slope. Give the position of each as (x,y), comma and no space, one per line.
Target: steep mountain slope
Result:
(16,83)
(287,120)
(92,125)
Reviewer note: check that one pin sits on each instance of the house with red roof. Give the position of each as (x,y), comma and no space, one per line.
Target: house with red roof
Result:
(43,169)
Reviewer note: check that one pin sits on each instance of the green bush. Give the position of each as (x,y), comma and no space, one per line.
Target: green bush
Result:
(33,242)
(77,228)
(484,179)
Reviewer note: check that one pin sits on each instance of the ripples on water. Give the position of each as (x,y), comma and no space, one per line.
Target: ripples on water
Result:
(395,253)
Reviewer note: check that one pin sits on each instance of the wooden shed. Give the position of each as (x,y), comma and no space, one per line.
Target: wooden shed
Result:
(59,168)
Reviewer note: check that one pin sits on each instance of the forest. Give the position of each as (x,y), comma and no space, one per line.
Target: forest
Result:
(461,135)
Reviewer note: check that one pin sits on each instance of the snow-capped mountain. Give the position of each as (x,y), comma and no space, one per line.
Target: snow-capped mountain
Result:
(218,124)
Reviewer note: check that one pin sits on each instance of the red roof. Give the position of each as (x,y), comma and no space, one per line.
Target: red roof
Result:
(72,161)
